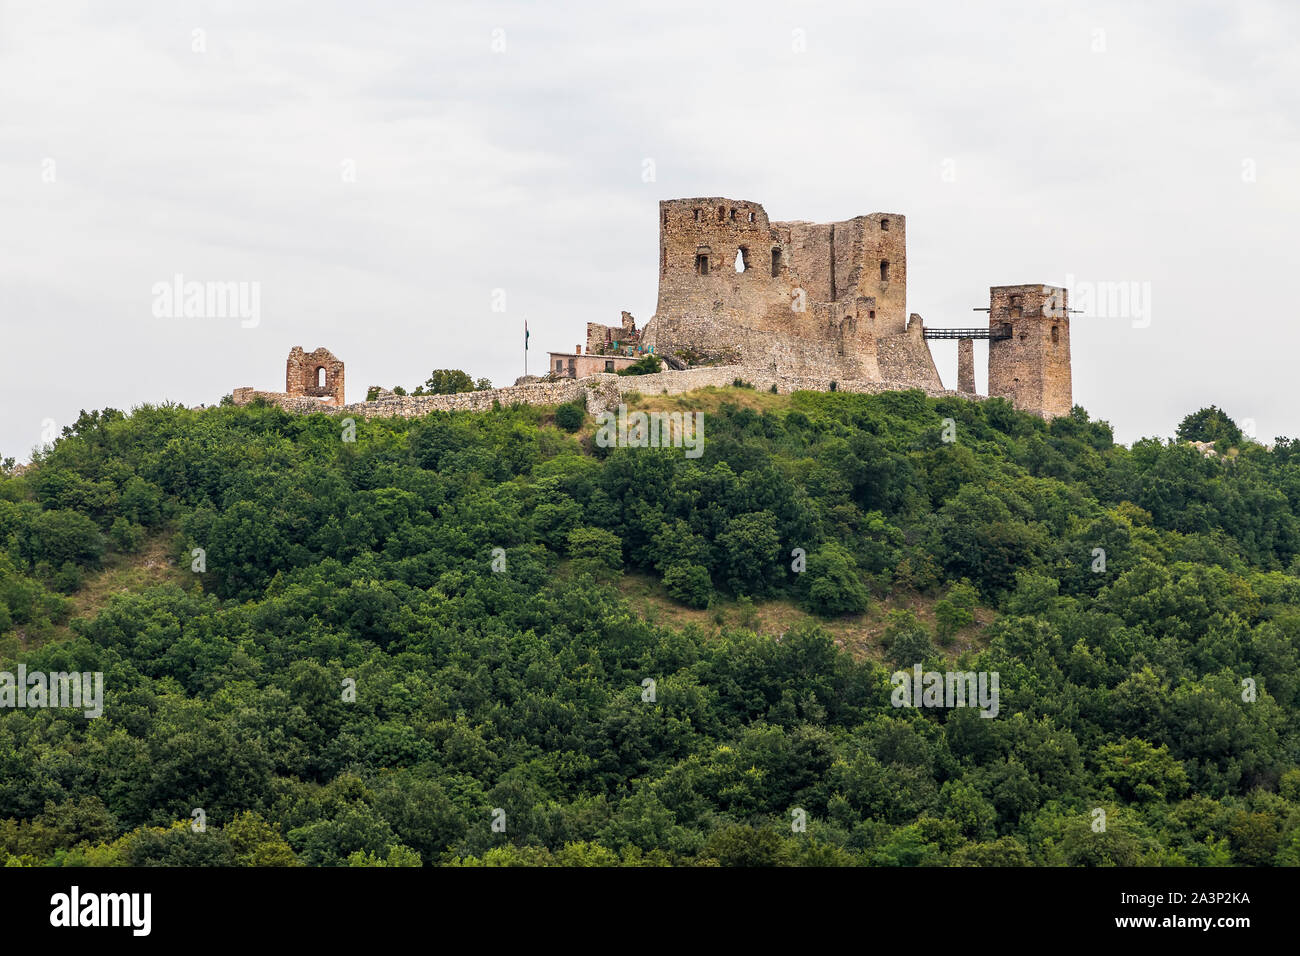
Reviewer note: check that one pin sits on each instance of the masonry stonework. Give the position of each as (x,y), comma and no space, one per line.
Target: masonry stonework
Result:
(791,298)
(599,392)
(315,374)
(1030,366)
(966,366)
(789,305)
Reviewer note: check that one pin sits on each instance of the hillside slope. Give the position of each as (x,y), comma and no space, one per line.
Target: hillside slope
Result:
(482,638)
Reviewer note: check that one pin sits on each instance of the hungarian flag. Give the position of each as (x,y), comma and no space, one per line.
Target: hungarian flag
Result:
(525,335)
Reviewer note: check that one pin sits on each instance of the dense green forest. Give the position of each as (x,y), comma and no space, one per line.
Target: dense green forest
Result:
(414,642)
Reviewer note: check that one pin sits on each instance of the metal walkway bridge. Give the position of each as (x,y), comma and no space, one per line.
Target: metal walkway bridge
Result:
(968,334)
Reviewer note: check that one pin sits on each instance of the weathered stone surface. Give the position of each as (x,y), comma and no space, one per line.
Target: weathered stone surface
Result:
(1031,368)
(795,305)
(965,366)
(808,299)
(312,378)
(600,392)
(315,374)
(605,339)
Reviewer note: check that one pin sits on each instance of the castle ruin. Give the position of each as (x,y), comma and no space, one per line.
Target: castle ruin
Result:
(830,300)
(315,376)
(789,304)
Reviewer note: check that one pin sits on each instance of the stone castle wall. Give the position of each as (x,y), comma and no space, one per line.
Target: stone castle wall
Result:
(602,392)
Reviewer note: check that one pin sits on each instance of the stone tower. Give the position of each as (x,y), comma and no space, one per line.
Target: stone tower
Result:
(1029,348)
(315,374)
(794,298)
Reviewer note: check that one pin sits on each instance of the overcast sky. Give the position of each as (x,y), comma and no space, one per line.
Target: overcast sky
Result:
(375,170)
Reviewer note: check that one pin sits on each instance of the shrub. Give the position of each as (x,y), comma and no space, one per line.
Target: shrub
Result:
(831,585)
(907,639)
(1210,424)
(954,612)
(569,417)
(646,366)
(67,579)
(595,550)
(689,583)
(59,536)
(126,536)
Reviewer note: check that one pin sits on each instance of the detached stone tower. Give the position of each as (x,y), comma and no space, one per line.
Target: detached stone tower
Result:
(315,374)
(1029,348)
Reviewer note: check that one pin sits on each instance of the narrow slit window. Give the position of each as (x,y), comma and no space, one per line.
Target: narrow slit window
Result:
(776,262)
(884,225)
(702,264)
(884,270)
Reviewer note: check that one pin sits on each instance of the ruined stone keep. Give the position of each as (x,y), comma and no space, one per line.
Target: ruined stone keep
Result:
(829,300)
